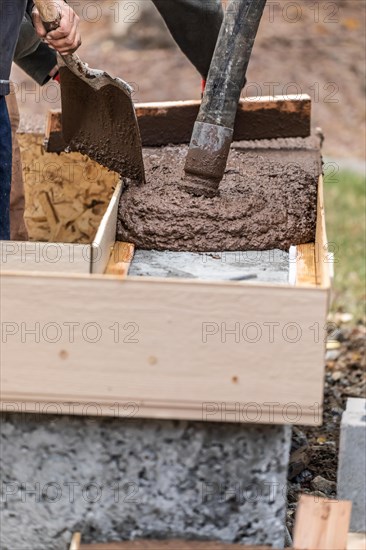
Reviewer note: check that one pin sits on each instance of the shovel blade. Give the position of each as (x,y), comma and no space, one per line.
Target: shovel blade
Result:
(99,120)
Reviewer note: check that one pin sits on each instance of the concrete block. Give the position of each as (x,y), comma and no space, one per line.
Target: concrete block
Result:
(122,479)
(352,461)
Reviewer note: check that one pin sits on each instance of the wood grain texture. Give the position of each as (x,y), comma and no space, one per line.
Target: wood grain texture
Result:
(63,257)
(183,349)
(262,118)
(44,257)
(321,524)
(169,545)
(313,260)
(75,542)
(54,141)
(305,258)
(323,248)
(120,259)
(106,235)
(356,541)
(167,122)
(78,189)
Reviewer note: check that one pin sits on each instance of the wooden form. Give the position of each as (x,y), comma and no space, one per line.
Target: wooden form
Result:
(159,545)
(163,348)
(172,122)
(320,525)
(169,545)
(355,541)
(63,257)
(166,348)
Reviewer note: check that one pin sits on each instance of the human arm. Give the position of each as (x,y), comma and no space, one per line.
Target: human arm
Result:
(66,37)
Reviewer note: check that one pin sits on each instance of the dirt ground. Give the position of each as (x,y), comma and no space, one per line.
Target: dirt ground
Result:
(314,456)
(302,47)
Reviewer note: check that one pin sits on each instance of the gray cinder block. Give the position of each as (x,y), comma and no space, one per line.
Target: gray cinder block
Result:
(121,479)
(352,461)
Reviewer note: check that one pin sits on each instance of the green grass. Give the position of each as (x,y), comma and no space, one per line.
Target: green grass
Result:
(345,216)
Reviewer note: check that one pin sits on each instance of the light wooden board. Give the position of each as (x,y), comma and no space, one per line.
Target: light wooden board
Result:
(169,545)
(356,541)
(175,355)
(120,259)
(314,261)
(323,249)
(75,542)
(45,257)
(321,524)
(106,234)
(167,122)
(306,267)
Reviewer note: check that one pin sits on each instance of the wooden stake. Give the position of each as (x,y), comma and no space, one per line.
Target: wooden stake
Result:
(120,259)
(322,524)
(75,541)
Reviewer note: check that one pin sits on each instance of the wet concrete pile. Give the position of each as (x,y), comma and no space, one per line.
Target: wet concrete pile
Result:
(267,199)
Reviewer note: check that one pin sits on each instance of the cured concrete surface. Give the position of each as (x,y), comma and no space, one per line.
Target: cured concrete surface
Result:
(269,266)
(121,479)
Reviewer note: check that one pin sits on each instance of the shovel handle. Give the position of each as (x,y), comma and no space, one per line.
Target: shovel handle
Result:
(51,17)
(50,13)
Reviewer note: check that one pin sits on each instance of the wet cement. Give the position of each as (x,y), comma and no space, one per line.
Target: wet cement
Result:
(267,199)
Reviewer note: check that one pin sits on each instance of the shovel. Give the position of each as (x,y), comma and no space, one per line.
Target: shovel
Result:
(98,115)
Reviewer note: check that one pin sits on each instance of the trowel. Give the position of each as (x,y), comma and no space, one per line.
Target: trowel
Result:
(214,127)
(98,115)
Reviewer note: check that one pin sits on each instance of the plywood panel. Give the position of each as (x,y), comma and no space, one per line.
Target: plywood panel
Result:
(75,188)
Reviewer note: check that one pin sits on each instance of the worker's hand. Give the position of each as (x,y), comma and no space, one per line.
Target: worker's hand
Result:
(66,38)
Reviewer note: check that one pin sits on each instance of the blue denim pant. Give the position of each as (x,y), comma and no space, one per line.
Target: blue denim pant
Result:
(5,170)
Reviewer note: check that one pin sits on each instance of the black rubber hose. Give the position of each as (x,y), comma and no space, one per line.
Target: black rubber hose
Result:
(230,62)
